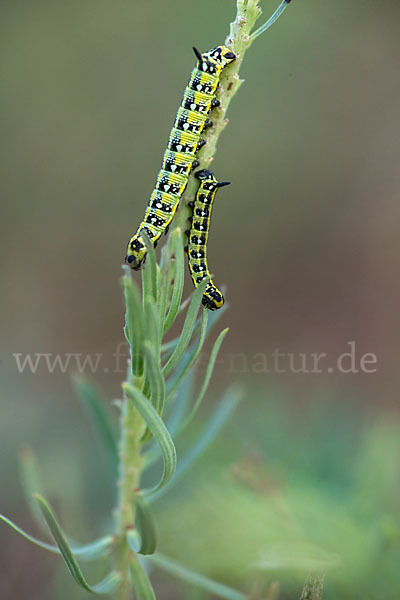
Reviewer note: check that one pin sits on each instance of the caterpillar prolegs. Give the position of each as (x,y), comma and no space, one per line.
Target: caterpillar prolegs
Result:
(198,237)
(180,155)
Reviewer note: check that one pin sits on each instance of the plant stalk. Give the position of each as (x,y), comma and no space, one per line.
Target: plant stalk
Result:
(130,465)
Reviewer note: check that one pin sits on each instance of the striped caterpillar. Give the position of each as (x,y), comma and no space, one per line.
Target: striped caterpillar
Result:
(180,156)
(198,237)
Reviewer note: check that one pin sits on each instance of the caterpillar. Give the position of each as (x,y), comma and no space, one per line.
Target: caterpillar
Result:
(183,144)
(198,237)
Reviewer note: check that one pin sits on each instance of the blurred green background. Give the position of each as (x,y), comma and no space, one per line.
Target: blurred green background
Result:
(305,239)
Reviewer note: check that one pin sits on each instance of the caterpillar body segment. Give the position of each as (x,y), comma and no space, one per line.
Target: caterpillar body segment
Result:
(198,237)
(183,144)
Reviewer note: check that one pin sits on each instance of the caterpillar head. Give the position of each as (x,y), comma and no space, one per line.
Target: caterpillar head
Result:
(212,298)
(221,55)
(214,60)
(136,253)
(209,180)
(204,175)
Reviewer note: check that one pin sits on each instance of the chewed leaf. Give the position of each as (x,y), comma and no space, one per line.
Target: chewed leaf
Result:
(159,431)
(104,587)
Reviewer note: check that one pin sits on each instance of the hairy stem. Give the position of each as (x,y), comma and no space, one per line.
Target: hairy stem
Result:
(130,466)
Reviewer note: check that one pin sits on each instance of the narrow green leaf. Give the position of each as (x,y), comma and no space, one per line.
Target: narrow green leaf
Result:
(207,377)
(140,581)
(31,483)
(187,330)
(146,527)
(133,320)
(108,585)
(29,537)
(159,281)
(155,377)
(176,417)
(177,570)
(181,403)
(213,318)
(152,385)
(153,325)
(169,347)
(92,551)
(134,541)
(104,587)
(165,284)
(281,8)
(149,272)
(95,405)
(225,408)
(159,431)
(179,271)
(62,543)
(185,368)
(143,540)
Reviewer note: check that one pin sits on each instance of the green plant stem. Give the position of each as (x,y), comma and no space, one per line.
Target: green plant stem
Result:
(130,466)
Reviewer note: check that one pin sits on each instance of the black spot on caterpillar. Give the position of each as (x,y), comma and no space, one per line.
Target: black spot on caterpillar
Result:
(198,237)
(183,144)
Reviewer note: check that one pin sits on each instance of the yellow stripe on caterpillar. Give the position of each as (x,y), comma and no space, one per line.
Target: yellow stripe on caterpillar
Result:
(183,144)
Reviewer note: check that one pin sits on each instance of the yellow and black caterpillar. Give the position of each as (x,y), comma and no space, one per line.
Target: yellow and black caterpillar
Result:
(180,155)
(198,237)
